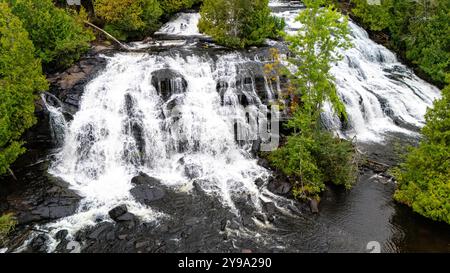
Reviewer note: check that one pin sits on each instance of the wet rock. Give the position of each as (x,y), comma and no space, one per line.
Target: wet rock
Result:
(146,194)
(147,189)
(144,179)
(100,229)
(279,187)
(168,82)
(125,217)
(122,236)
(260,217)
(38,244)
(141,244)
(314,205)
(61,235)
(118,211)
(256,147)
(259,182)
(264,163)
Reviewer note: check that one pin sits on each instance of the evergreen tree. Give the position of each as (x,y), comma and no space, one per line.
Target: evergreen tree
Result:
(424,178)
(59,38)
(239,23)
(20,80)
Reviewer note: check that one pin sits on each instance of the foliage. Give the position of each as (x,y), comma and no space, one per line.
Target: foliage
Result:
(59,38)
(20,79)
(7,224)
(129,18)
(424,178)
(314,47)
(378,17)
(239,23)
(312,156)
(172,6)
(418,29)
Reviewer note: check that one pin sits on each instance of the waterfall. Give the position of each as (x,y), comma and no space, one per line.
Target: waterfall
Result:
(173,117)
(185,24)
(381,95)
(57,121)
(190,118)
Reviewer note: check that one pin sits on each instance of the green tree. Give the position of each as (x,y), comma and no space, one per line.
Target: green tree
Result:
(172,6)
(20,80)
(129,18)
(239,23)
(315,47)
(419,30)
(377,17)
(59,38)
(312,156)
(424,178)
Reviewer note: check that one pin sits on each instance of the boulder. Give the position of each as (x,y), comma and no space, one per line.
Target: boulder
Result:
(38,244)
(126,217)
(144,179)
(259,182)
(118,211)
(61,235)
(146,194)
(279,187)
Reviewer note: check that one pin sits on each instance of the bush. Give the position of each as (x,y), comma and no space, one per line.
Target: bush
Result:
(424,178)
(314,157)
(127,19)
(20,80)
(172,6)
(418,29)
(7,224)
(237,23)
(58,37)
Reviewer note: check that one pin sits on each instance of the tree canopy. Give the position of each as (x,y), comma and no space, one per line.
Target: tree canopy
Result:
(239,23)
(20,80)
(424,178)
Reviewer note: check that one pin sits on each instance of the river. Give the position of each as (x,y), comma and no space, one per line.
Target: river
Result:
(170,110)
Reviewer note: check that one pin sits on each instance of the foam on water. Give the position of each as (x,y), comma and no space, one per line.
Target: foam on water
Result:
(380,94)
(185,24)
(101,155)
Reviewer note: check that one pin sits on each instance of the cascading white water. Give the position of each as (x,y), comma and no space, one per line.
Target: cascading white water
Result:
(380,94)
(185,24)
(181,129)
(57,120)
(125,125)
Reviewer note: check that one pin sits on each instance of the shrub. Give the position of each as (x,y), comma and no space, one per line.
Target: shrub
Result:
(314,157)
(20,79)
(418,30)
(126,19)
(423,179)
(7,224)
(58,37)
(172,6)
(238,23)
